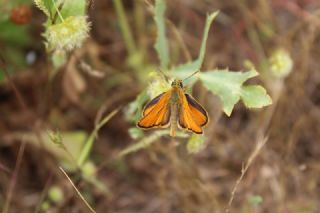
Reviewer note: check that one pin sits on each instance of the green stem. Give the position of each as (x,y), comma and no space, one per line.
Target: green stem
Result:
(123,22)
(89,143)
(140,24)
(58,12)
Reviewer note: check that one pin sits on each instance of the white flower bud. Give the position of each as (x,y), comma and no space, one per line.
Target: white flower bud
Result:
(280,63)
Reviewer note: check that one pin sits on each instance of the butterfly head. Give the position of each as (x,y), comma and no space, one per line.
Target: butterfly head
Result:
(177,84)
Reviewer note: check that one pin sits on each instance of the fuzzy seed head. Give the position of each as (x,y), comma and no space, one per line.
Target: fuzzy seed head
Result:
(67,35)
(281,63)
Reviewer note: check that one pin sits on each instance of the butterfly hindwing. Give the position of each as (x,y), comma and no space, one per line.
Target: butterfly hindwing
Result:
(157,112)
(192,116)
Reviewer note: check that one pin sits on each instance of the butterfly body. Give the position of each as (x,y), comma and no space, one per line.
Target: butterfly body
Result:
(174,108)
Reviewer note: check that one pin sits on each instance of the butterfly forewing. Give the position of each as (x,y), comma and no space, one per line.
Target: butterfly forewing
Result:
(192,116)
(157,112)
(149,106)
(199,114)
(187,122)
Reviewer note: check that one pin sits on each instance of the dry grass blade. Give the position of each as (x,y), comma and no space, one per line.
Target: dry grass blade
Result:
(14,178)
(90,71)
(78,192)
(244,169)
(180,41)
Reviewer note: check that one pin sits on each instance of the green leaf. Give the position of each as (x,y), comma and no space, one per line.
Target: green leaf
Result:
(46,6)
(69,8)
(73,8)
(161,44)
(65,146)
(187,69)
(195,143)
(255,96)
(255,200)
(73,141)
(229,87)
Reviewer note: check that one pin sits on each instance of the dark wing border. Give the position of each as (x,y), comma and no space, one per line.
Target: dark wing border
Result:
(196,105)
(151,103)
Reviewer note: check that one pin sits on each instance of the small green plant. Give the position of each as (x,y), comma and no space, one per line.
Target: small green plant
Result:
(228,86)
(83,142)
(55,194)
(255,200)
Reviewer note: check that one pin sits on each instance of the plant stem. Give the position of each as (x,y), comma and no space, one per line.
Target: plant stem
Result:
(88,145)
(58,12)
(123,22)
(14,178)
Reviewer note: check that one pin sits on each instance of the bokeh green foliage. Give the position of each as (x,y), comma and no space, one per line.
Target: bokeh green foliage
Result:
(15,37)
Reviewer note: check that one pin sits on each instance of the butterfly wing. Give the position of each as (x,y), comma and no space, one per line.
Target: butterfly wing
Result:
(199,114)
(192,116)
(150,105)
(157,112)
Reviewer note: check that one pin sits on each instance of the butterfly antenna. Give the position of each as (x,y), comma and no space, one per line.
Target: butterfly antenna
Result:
(163,74)
(191,75)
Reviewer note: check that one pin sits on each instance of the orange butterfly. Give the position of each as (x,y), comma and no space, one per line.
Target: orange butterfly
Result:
(174,108)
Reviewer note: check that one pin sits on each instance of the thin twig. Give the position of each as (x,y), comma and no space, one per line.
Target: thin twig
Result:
(14,178)
(180,41)
(78,192)
(244,169)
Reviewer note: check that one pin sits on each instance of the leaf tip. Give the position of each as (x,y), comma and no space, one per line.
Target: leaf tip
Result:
(227,111)
(213,15)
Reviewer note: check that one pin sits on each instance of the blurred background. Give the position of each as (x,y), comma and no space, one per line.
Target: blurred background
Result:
(51,104)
